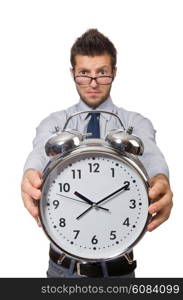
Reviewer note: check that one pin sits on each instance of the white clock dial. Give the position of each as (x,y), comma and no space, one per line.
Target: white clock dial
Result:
(82,228)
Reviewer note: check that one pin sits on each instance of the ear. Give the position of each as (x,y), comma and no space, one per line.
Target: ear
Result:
(114,71)
(72,72)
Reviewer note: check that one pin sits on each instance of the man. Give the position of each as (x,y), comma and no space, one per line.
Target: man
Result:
(93,59)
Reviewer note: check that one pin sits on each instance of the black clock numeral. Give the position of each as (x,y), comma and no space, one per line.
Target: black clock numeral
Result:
(126,222)
(127,183)
(94,167)
(112,169)
(94,240)
(64,187)
(76,173)
(113,235)
(56,203)
(77,232)
(62,222)
(133,205)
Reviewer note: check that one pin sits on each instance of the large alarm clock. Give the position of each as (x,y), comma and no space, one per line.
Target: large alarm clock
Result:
(94,203)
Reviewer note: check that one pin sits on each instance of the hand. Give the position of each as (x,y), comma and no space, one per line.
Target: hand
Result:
(107,197)
(161,195)
(30,191)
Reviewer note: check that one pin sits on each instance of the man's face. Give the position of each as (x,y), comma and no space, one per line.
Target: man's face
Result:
(93,94)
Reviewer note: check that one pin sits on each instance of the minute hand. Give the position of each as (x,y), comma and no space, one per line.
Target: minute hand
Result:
(107,197)
(96,204)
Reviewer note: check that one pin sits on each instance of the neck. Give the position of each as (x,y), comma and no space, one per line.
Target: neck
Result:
(95,106)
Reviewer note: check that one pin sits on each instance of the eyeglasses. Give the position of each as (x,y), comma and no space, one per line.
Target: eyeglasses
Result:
(85,80)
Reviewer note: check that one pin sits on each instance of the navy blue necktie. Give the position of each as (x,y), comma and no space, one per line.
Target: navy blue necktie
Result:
(94,125)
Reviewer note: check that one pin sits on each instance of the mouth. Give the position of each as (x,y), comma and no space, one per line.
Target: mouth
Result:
(93,93)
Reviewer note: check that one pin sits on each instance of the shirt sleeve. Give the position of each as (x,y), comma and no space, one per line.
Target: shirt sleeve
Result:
(152,158)
(37,159)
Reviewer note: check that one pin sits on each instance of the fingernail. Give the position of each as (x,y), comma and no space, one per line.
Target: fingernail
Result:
(152,193)
(152,210)
(150,227)
(37,194)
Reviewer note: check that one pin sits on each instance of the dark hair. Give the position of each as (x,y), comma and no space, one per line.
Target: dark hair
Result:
(92,43)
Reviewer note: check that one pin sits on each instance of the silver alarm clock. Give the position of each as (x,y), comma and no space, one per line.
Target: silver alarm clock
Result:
(94,204)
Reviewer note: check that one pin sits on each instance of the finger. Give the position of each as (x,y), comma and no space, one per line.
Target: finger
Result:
(160,204)
(158,188)
(159,218)
(38,221)
(30,205)
(35,178)
(30,190)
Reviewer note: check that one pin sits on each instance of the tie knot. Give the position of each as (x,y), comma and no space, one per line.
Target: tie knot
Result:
(94,115)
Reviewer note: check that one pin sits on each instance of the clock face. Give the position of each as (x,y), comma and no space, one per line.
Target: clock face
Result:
(94,206)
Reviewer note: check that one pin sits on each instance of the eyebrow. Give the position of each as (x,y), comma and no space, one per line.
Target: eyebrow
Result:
(83,69)
(98,69)
(103,67)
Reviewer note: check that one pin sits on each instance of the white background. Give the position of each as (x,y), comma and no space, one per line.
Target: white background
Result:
(36,37)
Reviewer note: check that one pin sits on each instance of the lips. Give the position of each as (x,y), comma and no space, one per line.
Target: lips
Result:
(93,92)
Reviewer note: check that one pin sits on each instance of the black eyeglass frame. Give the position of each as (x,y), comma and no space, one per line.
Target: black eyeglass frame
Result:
(94,78)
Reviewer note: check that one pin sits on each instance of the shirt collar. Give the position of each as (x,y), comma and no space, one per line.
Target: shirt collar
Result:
(106,105)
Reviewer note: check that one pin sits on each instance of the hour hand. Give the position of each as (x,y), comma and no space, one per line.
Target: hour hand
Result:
(93,204)
(83,198)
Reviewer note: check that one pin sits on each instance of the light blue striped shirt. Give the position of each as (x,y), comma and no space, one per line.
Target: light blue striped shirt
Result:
(152,158)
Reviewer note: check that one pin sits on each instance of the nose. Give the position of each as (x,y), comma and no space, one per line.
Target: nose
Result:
(93,83)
